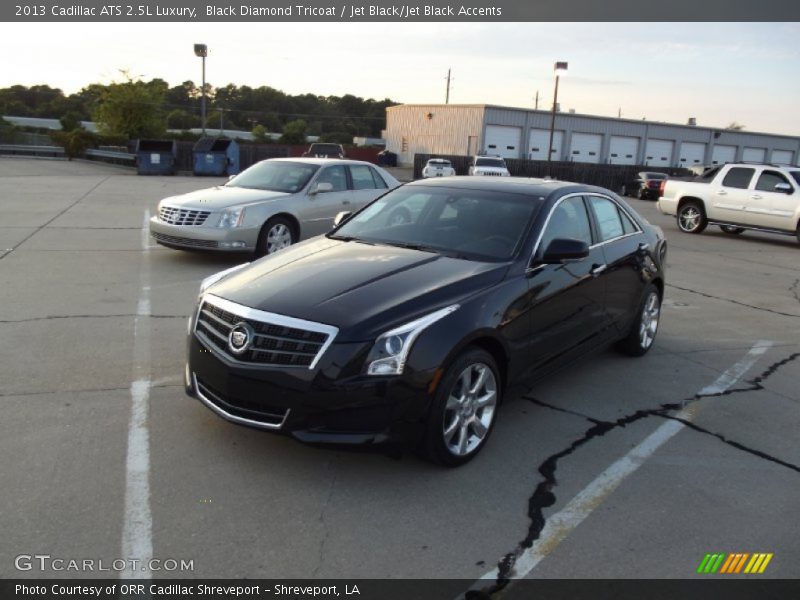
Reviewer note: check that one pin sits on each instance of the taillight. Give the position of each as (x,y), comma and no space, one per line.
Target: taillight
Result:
(661,187)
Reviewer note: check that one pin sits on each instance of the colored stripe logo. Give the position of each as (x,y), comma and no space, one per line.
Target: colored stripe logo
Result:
(734,563)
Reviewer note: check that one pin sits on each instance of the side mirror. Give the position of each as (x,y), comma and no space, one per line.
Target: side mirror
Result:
(231,177)
(563,250)
(321,188)
(783,188)
(342,217)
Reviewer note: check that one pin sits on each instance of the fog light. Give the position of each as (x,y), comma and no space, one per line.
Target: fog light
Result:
(232,244)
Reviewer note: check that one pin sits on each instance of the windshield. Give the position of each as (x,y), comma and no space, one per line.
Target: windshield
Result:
(470,224)
(490,162)
(275,176)
(439,163)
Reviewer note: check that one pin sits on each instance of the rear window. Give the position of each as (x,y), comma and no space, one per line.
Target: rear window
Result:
(490,162)
(439,163)
(738,177)
(325,149)
(655,176)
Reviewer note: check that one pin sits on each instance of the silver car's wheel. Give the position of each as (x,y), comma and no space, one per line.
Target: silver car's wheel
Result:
(463,409)
(276,235)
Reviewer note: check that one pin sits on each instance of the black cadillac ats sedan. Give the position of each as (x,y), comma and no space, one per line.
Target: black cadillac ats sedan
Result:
(411,319)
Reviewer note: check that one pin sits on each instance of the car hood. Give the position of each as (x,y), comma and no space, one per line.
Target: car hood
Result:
(360,288)
(221,197)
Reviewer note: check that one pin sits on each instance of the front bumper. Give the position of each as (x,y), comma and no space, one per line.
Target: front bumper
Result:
(235,239)
(330,404)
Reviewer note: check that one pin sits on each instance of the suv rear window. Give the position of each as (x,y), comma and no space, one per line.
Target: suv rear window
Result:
(738,177)
(490,162)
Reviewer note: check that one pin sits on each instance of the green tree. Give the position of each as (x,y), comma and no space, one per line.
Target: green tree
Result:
(70,121)
(294,132)
(260,134)
(131,108)
(181,119)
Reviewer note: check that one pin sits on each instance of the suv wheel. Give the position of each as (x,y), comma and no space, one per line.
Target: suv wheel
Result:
(692,218)
(463,412)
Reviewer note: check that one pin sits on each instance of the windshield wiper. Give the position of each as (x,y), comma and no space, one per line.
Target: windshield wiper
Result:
(412,246)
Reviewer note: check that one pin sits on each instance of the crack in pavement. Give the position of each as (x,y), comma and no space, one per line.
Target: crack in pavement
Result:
(43,225)
(544,497)
(85,391)
(761,308)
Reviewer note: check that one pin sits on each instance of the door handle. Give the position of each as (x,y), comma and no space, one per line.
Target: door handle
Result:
(644,247)
(722,193)
(756,197)
(597,269)
(345,202)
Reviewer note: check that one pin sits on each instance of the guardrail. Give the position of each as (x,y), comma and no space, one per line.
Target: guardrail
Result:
(25,150)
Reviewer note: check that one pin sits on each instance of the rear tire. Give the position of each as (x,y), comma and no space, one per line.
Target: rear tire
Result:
(277,233)
(692,217)
(645,326)
(464,409)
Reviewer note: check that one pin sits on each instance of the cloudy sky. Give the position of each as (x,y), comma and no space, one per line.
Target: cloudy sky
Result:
(716,72)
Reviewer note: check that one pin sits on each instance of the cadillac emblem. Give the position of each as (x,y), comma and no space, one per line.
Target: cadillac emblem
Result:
(240,338)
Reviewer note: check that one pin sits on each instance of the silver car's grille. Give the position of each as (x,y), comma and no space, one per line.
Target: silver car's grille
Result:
(171,240)
(182,216)
(277,340)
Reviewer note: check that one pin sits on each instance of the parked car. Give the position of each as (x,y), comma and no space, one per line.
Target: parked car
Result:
(438,167)
(269,206)
(413,332)
(324,150)
(646,185)
(488,165)
(737,196)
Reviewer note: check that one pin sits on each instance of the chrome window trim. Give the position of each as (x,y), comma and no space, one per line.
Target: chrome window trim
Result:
(262,316)
(233,418)
(584,195)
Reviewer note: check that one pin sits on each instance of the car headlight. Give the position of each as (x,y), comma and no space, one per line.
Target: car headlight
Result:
(390,351)
(231,217)
(212,279)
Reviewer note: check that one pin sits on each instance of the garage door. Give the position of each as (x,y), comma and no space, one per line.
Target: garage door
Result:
(503,141)
(782,157)
(585,147)
(723,154)
(692,153)
(658,153)
(622,150)
(539,139)
(754,154)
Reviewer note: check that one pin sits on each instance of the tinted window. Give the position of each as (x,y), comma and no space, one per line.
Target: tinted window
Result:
(768,180)
(654,175)
(273,175)
(627,224)
(468,224)
(490,162)
(796,175)
(608,220)
(362,177)
(379,182)
(738,178)
(336,176)
(568,220)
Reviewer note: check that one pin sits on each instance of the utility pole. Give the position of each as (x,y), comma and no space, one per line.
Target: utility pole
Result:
(619,113)
(201,51)
(536,102)
(560,67)
(447,94)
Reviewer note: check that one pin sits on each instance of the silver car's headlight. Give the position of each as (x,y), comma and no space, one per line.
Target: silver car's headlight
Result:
(231,217)
(390,351)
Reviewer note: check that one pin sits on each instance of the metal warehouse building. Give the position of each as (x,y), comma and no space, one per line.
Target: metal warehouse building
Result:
(468,129)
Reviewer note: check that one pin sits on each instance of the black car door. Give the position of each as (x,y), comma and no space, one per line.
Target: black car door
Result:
(624,248)
(567,300)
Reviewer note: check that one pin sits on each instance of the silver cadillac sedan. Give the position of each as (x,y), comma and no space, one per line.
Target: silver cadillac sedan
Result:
(269,206)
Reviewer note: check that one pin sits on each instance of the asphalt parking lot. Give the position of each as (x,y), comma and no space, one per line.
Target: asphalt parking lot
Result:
(104,456)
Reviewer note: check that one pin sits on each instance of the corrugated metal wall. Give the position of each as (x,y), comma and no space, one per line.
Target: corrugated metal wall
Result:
(450,126)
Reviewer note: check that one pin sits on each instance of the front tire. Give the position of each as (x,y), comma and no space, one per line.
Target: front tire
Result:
(278,233)
(464,409)
(692,218)
(645,326)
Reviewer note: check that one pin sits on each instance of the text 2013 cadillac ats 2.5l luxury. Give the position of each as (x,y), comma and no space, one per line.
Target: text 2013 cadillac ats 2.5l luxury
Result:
(412,318)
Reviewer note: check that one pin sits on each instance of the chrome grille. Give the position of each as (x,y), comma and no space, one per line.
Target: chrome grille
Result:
(182,216)
(278,341)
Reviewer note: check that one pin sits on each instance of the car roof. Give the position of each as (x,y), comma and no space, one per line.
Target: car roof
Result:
(516,185)
(313,160)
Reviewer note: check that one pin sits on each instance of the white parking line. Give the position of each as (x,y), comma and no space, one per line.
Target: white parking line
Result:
(562,523)
(137,530)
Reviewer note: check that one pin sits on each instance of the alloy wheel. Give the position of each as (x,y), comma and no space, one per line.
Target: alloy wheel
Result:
(470,409)
(649,321)
(278,237)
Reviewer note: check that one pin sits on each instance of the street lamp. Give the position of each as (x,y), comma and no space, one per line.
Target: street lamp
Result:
(560,67)
(201,50)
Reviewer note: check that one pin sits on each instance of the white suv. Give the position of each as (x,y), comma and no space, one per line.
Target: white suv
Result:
(488,165)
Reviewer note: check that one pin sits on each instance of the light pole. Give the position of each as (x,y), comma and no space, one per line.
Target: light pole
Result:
(201,50)
(559,68)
